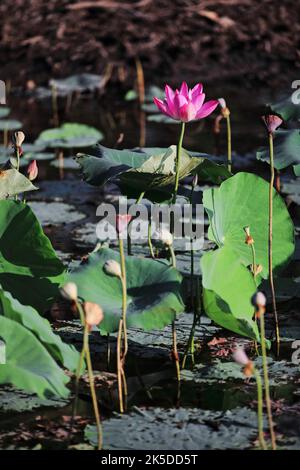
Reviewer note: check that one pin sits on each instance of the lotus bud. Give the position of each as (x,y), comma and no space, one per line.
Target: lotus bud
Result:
(249,239)
(194,181)
(69,291)
(259,301)
(165,236)
(122,220)
(242,359)
(272,122)
(224,110)
(112,268)
(93,313)
(18,139)
(32,170)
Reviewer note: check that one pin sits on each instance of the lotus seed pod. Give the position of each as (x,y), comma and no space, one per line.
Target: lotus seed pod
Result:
(18,138)
(69,291)
(93,313)
(259,300)
(112,268)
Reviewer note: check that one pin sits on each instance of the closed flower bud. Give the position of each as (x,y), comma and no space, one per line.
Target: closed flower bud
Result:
(69,291)
(164,236)
(272,122)
(18,139)
(224,110)
(32,170)
(240,356)
(259,300)
(93,313)
(112,268)
(249,239)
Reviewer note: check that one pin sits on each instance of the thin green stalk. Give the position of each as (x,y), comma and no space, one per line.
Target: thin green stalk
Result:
(122,351)
(92,385)
(129,250)
(229,152)
(178,155)
(260,410)
(174,335)
(271,241)
(150,238)
(266,378)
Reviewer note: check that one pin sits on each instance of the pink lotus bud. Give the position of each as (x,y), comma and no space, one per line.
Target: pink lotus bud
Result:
(122,220)
(240,356)
(69,291)
(185,104)
(93,313)
(259,300)
(18,139)
(222,103)
(112,268)
(32,170)
(272,122)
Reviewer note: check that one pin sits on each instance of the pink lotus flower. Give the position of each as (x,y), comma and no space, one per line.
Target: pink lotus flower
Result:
(122,220)
(185,104)
(32,170)
(272,122)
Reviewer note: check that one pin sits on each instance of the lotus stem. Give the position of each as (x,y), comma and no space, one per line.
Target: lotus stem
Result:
(229,151)
(122,333)
(271,241)
(92,385)
(150,238)
(174,335)
(129,250)
(108,351)
(260,410)
(54,106)
(85,352)
(266,378)
(178,155)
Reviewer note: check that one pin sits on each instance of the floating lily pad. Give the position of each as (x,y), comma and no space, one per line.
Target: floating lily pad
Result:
(77,83)
(55,213)
(66,164)
(12,400)
(10,125)
(70,135)
(153,291)
(178,429)
(4,112)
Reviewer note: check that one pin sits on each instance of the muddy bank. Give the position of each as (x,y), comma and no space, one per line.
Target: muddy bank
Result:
(248,40)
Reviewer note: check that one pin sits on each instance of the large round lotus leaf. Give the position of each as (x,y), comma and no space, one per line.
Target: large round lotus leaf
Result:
(70,135)
(286,149)
(12,182)
(10,125)
(29,267)
(153,291)
(28,364)
(41,328)
(147,171)
(227,289)
(243,201)
(77,83)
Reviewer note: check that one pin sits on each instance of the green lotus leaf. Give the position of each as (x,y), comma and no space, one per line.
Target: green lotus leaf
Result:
(12,182)
(286,149)
(153,291)
(297,169)
(29,267)
(137,172)
(242,201)
(227,289)
(41,328)
(28,365)
(69,135)
(286,108)
(77,83)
